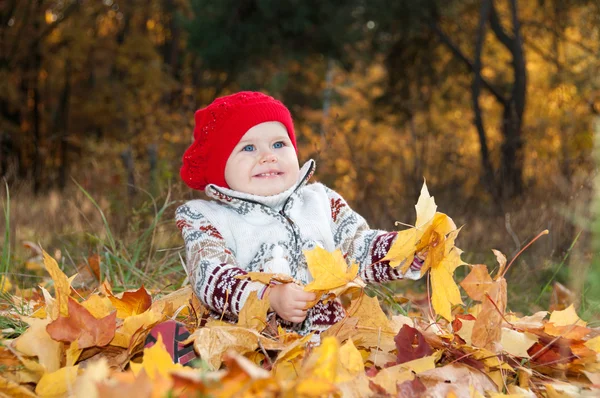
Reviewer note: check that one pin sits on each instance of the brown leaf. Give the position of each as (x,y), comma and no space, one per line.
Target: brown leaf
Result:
(461,377)
(132,303)
(478,282)
(501,258)
(83,327)
(487,330)
(410,344)
(411,389)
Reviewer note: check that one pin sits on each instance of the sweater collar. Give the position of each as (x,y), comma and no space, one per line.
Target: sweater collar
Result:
(236,198)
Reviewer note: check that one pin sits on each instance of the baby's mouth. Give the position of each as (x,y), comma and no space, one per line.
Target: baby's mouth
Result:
(269,174)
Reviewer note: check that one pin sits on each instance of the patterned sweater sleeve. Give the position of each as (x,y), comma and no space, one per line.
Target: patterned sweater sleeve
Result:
(211,265)
(363,245)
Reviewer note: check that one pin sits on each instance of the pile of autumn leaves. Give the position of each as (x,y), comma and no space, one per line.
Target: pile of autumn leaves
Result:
(93,347)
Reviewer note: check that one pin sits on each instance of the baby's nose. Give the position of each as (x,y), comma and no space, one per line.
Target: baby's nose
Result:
(269,158)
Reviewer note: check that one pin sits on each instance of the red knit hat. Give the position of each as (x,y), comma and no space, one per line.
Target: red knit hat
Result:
(219,128)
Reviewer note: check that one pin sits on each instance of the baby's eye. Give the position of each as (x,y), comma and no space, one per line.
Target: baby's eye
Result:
(278,144)
(248,148)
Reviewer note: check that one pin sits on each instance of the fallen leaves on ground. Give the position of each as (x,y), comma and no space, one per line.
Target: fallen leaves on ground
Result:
(93,346)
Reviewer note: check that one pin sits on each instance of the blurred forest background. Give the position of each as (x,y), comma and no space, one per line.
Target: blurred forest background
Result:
(493,102)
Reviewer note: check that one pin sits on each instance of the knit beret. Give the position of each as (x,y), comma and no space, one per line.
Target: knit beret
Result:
(220,126)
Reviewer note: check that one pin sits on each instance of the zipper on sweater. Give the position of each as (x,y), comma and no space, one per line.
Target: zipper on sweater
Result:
(293,226)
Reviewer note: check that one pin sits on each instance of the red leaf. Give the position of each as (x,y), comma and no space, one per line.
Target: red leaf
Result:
(457,324)
(83,327)
(410,345)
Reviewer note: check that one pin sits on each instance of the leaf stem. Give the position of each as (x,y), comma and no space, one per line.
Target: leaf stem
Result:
(544,232)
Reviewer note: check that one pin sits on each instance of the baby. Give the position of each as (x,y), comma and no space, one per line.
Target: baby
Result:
(264,214)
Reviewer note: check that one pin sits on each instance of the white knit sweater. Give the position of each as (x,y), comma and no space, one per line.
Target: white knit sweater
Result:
(239,232)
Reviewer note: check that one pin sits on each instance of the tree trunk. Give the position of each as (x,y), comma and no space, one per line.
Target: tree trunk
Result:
(486,165)
(36,60)
(63,122)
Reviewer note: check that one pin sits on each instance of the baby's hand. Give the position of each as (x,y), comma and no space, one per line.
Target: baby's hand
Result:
(289,301)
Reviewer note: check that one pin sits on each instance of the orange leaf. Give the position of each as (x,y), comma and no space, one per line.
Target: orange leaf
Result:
(83,327)
(132,303)
(478,282)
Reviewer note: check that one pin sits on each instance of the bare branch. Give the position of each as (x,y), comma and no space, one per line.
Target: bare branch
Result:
(460,55)
(499,30)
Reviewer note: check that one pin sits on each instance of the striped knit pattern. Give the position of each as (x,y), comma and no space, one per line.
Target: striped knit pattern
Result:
(236,233)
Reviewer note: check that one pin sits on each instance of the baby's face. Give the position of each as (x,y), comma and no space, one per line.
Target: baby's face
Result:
(264,162)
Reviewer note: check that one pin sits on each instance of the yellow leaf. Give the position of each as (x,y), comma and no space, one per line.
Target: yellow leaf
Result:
(213,342)
(170,303)
(156,361)
(323,361)
(425,207)
(51,308)
(253,314)
(350,361)
(403,248)
(57,384)
(594,344)
(389,378)
(99,307)
(73,353)
(37,342)
(444,290)
(11,389)
(517,343)
(314,388)
(62,287)
(373,328)
(5,284)
(133,328)
(95,372)
(421,365)
(466,330)
(329,270)
(566,317)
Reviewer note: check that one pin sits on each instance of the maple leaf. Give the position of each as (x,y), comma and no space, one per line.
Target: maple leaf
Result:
(132,303)
(98,306)
(517,343)
(444,290)
(134,327)
(266,277)
(411,389)
(487,330)
(410,344)
(350,362)
(10,388)
(373,328)
(567,324)
(329,270)
(83,327)
(62,286)
(253,314)
(212,342)
(403,249)
(58,383)
(456,377)
(37,342)
(478,282)
(156,361)
(389,378)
